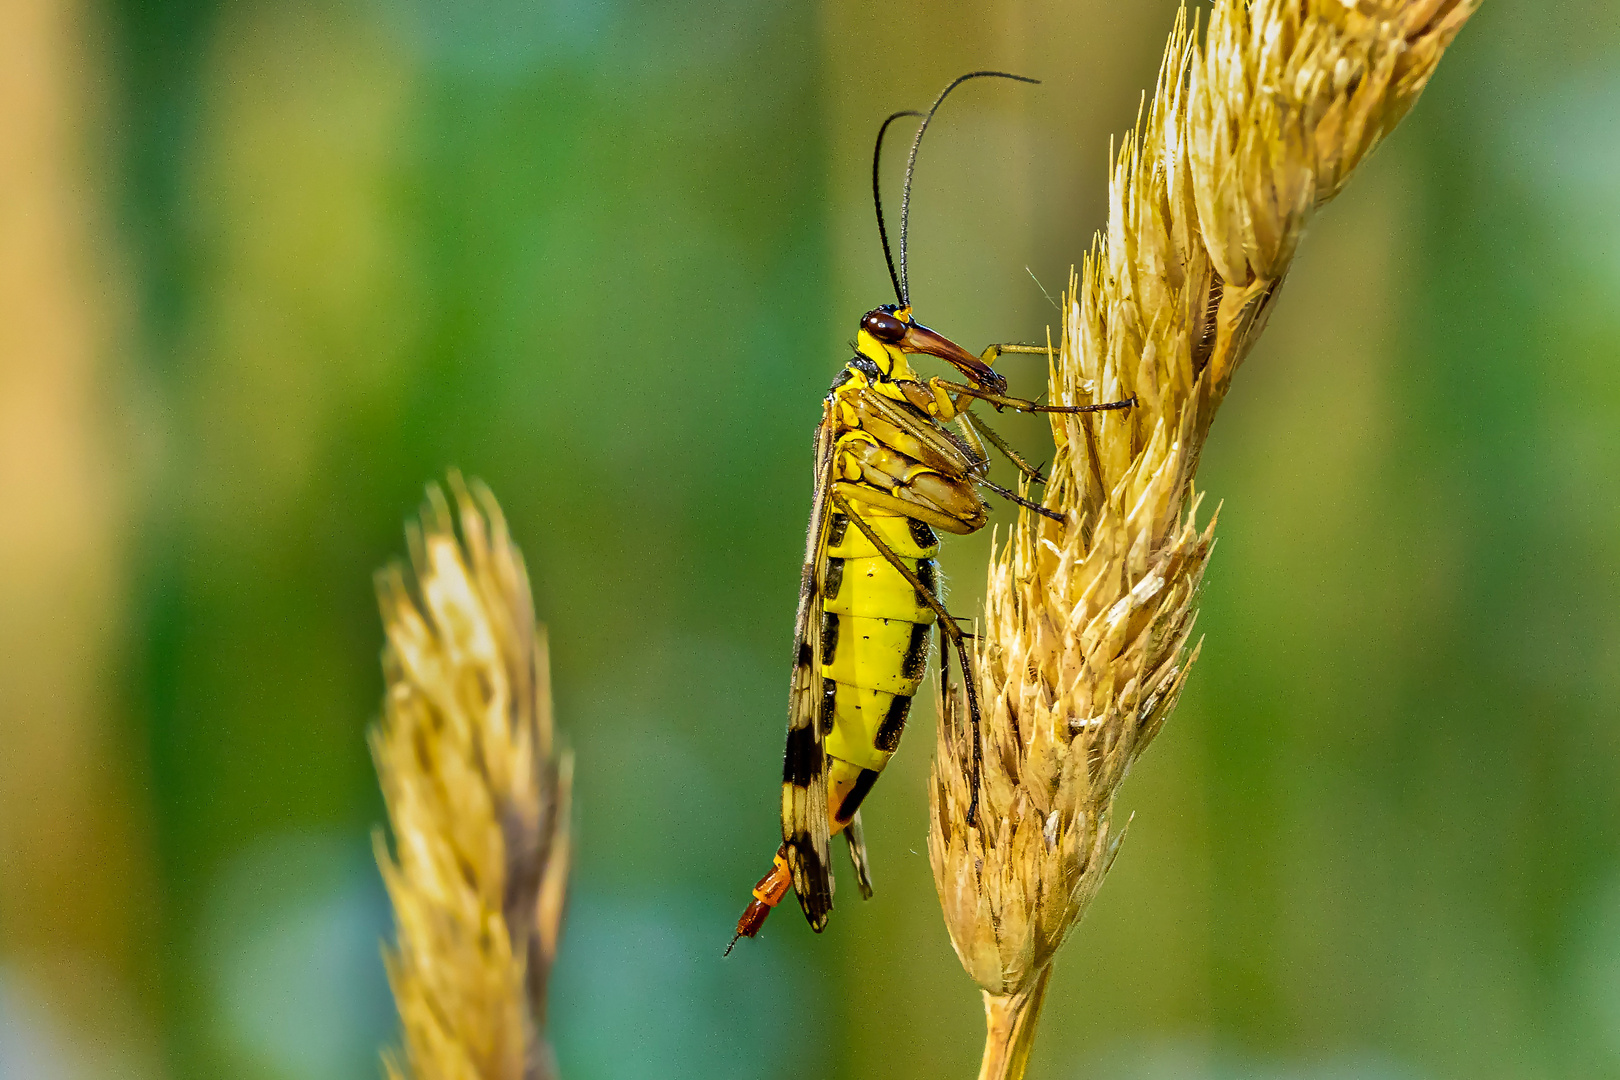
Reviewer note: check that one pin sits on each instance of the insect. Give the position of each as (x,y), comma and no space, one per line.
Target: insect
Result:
(888,474)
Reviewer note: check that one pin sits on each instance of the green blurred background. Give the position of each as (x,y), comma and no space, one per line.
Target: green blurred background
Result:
(266,268)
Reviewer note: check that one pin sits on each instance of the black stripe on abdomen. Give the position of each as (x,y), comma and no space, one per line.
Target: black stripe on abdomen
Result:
(888,734)
(833,580)
(916,661)
(836,528)
(829,637)
(857,794)
(928,574)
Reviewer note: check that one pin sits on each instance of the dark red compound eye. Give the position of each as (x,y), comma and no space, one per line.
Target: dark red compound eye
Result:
(883,326)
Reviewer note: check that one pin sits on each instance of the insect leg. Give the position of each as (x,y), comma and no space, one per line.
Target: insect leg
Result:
(980,428)
(1013,496)
(947,625)
(990,354)
(996,440)
(906,572)
(1002,401)
(970,435)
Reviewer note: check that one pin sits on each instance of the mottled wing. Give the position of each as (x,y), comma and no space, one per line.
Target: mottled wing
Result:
(857,855)
(804,765)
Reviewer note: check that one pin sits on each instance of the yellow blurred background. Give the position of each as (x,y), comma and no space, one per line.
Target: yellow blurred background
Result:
(266,268)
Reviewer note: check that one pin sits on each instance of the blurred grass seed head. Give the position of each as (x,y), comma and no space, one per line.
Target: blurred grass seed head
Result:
(478,798)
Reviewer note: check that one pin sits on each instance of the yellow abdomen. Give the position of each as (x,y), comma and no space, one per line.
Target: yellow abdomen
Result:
(874,647)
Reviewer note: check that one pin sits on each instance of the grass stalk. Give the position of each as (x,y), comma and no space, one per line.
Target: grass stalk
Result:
(1087,637)
(1010,1021)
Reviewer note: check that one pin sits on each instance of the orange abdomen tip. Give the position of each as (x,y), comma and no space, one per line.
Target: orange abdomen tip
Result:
(767,894)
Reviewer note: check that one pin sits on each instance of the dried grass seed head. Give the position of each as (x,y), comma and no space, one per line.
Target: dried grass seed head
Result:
(1085,643)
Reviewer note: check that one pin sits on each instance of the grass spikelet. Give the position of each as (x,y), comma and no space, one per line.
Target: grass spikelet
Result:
(1085,645)
(478,799)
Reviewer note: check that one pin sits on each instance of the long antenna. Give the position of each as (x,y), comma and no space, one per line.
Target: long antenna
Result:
(877,199)
(911,164)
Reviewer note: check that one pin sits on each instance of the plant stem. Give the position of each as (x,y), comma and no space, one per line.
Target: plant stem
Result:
(1009,1021)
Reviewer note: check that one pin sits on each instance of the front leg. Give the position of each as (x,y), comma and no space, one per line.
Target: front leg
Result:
(976,427)
(993,352)
(1002,401)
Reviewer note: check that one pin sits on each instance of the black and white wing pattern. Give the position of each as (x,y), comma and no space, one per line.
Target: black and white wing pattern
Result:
(805,831)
